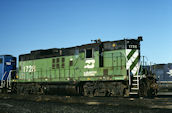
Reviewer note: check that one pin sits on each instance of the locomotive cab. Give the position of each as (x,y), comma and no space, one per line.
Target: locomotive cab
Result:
(7,70)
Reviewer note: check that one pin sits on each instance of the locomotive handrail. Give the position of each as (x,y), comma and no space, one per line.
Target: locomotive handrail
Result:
(2,79)
(128,70)
(9,78)
(7,82)
(138,74)
(77,60)
(3,76)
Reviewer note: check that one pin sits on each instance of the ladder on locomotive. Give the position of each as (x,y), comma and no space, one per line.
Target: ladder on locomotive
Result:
(6,83)
(134,83)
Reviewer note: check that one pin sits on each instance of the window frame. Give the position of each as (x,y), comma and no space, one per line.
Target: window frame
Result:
(92,53)
(1,60)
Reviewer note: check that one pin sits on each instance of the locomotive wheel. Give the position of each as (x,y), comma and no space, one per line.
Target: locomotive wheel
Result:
(104,89)
(100,89)
(145,88)
(126,92)
(14,88)
(118,89)
(88,89)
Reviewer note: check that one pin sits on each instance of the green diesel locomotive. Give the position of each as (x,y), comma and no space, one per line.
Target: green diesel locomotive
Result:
(110,68)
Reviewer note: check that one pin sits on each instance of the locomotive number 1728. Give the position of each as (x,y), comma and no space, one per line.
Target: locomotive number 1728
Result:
(29,68)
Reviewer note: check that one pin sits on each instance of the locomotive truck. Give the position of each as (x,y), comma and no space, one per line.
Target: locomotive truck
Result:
(109,68)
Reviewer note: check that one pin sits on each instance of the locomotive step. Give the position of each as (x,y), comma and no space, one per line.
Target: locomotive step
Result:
(135,84)
(136,76)
(133,93)
(9,91)
(135,88)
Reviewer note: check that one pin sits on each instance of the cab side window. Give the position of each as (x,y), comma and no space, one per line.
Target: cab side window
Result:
(89,53)
(1,60)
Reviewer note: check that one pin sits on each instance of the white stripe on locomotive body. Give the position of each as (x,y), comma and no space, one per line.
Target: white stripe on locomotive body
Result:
(135,69)
(128,64)
(131,60)
(128,51)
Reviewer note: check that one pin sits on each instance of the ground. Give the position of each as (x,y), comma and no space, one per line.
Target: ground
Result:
(67,104)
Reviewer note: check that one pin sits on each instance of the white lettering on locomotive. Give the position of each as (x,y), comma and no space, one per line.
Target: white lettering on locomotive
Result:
(29,68)
(90,73)
(133,46)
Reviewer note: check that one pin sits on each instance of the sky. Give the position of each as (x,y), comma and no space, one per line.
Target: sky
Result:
(27,25)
